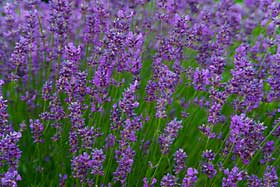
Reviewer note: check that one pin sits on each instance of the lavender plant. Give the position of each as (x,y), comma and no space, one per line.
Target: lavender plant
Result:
(139,93)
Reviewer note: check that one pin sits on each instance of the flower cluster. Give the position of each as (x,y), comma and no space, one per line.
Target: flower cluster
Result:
(10,153)
(180,159)
(37,129)
(190,178)
(233,177)
(84,164)
(169,135)
(245,137)
(168,181)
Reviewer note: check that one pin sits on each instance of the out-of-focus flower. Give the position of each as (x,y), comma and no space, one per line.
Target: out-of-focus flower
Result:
(169,135)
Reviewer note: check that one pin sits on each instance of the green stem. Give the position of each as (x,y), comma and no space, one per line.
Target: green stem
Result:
(157,166)
(154,141)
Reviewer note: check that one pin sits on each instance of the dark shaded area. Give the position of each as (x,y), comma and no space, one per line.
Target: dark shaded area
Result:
(46,1)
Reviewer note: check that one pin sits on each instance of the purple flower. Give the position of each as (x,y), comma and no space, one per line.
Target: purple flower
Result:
(267,152)
(125,161)
(129,102)
(218,64)
(19,56)
(180,158)
(215,112)
(102,77)
(206,130)
(67,79)
(130,129)
(1,84)
(208,169)
(209,155)
(97,21)
(73,53)
(151,89)
(60,12)
(116,120)
(190,178)
(276,133)
(245,136)
(10,178)
(9,151)
(96,164)
(73,141)
(84,164)
(201,79)
(37,129)
(75,115)
(233,177)
(161,107)
(245,82)
(46,91)
(134,42)
(4,127)
(151,184)
(161,87)
(270,177)
(168,181)
(110,141)
(56,112)
(167,80)
(81,167)
(254,181)
(169,135)
(62,180)
(274,83)
(88,136)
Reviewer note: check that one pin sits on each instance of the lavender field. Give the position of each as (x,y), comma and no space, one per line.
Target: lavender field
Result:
(139,93)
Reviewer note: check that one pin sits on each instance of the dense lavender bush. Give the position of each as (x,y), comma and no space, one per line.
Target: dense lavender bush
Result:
(139,93)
